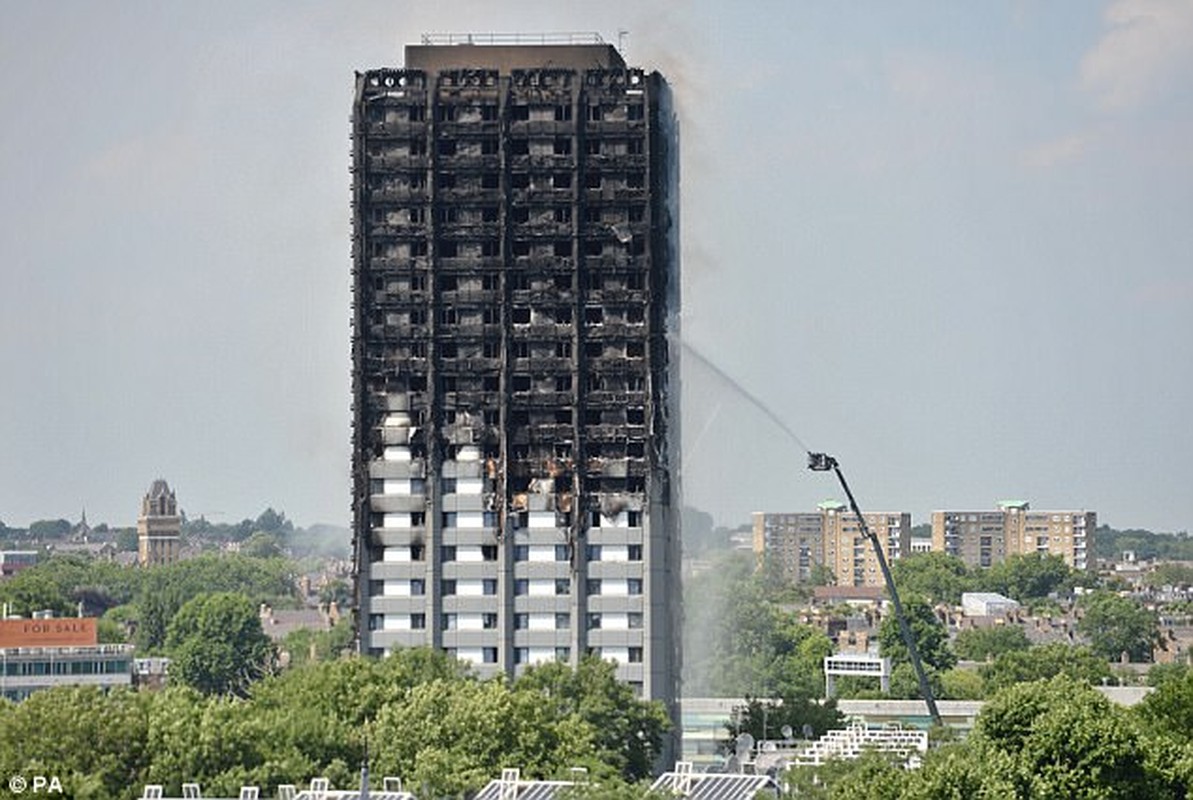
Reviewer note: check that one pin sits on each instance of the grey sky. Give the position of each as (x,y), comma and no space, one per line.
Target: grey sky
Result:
(950,243)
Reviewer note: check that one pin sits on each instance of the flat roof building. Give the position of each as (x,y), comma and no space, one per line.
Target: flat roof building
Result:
(795,542)
(13,561)
(984,538)
(832,539)
(515,372)
(58,651)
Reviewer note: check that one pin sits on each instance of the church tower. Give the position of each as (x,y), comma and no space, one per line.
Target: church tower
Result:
(159,528)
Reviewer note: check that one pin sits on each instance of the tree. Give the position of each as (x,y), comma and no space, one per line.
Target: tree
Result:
(1045,661)
(262,545)
(1028,577)
(61,582)
(938,577)
(628,732)
(30,591)
(1109,544)
(1159,674)
(49,529)
(127,540)
(271,521)
(1066,740)
(1118,625)
(698,532)
(355,689)
(164,590)
(92,740)
(305,645)
(217,646)
(1171,574)
(905,684)
(962,684)
(981,644)
(337,591)
(1169,709)
(451,737)
(931,637)
(765,719)
(739,642)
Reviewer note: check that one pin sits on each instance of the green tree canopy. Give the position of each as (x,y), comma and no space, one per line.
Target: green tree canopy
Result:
(1028,577)
(979,644)
(59,583)
(1172,573)
(1169,709)
(931,636)
(30,591)
(1066,740)
(938,577)
(271,521)
(962,684)
(1045,661)
(92,740)
(127,540)
(216,644)
(49,529)
(1109,544)
(739,642)
(164,590)
(262,544)
(765,719)
(1116,625)
(451,737)
(628,733)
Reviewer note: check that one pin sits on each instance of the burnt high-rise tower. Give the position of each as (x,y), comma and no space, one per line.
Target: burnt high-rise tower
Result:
(515,374)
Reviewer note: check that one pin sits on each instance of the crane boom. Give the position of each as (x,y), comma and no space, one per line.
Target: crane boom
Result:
(822,462)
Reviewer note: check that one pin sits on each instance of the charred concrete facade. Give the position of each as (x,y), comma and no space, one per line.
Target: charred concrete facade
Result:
(515,385)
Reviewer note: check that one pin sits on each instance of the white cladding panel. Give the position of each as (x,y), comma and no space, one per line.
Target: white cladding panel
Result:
(397,486)
(470,587)
(395,555)
(395,588)
(470,519)
(542,519)
(541,587)
(541,622)
(540,655)
(615,552)
(615,622)
(470,553)
(615,587)
(470,622)
(469,486)
(618,654)
(540,552)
